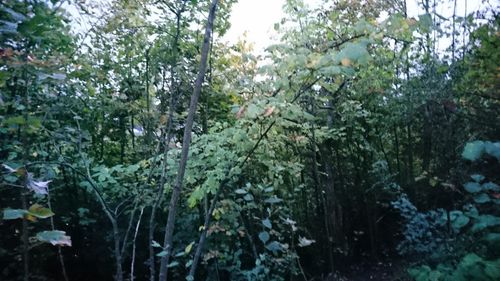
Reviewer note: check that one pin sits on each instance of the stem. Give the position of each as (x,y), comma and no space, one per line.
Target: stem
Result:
(59,250)
(24,239)
(132,263)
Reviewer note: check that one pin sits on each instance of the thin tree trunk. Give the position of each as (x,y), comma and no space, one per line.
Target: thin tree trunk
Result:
(117,250)
(129,228)
(203,236)
(169,133)
(132,262)
(24,239)
(396,150)
(169,228)
(59,251)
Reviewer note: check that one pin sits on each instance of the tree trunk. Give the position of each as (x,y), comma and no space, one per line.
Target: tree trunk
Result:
(117,251)
(169,228)
(132,262)
(174,96)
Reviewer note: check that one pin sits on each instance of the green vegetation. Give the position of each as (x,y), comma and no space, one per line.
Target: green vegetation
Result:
(147,148)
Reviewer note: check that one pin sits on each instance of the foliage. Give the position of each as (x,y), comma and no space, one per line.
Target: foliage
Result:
(356,139)
(476,232)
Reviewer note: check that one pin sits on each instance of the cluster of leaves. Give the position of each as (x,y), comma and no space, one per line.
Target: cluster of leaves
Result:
(470,251)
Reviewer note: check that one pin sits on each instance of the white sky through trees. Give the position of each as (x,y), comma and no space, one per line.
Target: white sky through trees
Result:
(256,18)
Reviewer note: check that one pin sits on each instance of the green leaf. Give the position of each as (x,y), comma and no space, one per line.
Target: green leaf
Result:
(188,248)
(273,200)
(267,223)
(173,264)
(491,186)
(477,177)
(248,197)
(54,237)
(269,189)
(162,254)
(240,191)
(274,246)
(253,111)
(12,214)
(354,52)
(485,221)
(472,187)
(482,198)
(264,236)
(155,244)
(492,237)
(493,149)
(458,219)
(473,150)
(425,22)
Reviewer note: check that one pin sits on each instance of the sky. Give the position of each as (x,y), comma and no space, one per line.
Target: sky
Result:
(257,18)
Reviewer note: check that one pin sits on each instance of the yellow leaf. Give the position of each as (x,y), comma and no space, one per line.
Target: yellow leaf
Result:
(189,248)
(30,217)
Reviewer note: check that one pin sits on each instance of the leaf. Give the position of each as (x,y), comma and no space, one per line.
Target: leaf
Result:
(269,189)
(240,191)
(267,223)
(13,14)
(274,246)
(155,244)
(477,177)
(482,198)
(13,214)
(458,219)
(188,248)
(253,111)
(491,186)
(9,169)
(8,27)
(173,264)
(425,22)
(162,254)
(492,237)
(473,150)
(264,236)
(273,200)
(493,149)
(485,221)
(58,76)
(353,52)
(40,212)
(304,242)
(54,237)
(472,187)
(248,197)
(39,187)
